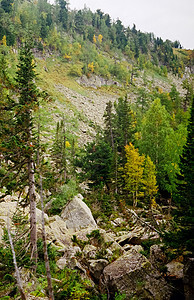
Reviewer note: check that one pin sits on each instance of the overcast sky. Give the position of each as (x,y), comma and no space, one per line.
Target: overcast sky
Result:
(168,19)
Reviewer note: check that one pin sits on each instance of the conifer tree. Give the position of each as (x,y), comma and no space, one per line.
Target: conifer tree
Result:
(18,142)
(183,197)
(185,187)
(109,125)
(59,151)
(124,124)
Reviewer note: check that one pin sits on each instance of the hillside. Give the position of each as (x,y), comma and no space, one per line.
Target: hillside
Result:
(96,127)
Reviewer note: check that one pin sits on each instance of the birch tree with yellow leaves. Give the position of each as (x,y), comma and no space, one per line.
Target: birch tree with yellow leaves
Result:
(133,172)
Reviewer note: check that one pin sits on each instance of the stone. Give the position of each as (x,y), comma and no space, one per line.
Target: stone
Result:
(39,217)
(129,238)
(132,274)
(58,227)
(61,263)
(89,251)
(77,215)
(7,208)
(69,259)
(108,237)
(117,222)
(10,208)
(157,256)
(188,279)
(96,267)
(115,247)
(175,270)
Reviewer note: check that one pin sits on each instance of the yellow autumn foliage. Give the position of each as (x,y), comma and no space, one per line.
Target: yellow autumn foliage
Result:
(4,42)
(67,144)
(100,37)
(91,67)
(94,39)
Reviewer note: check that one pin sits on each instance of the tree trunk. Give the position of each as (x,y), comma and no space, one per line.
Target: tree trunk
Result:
(32,199)
(46,258)
(18,278)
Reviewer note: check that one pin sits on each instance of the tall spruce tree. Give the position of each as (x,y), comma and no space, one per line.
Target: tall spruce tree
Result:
(183,197)
(185,187)
(124,123)
(18,142)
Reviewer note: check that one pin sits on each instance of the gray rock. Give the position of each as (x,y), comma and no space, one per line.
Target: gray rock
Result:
(188,279)
(157,256)
(96,267)
(89,251)
(77,215)
(134,275)
(175,270)
(117,222)
(61,263)
(129,238)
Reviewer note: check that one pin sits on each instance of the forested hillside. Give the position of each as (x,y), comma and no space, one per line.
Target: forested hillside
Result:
(96,157)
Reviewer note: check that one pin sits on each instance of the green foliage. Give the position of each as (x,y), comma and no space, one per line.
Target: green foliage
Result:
(66,193)
(96,163)
(71,286)
(20,247)
(52,254)
(183,197)
(124,123)
(75,70)
(78,242)
(155,130)
(146,245)
(95,235)
(17,139)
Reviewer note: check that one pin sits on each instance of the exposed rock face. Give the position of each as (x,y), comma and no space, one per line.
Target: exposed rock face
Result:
(134,275)
(96,81)
(188,279)
(77,215)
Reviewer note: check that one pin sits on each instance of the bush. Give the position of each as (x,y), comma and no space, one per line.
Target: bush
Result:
(75,70)
(67,192)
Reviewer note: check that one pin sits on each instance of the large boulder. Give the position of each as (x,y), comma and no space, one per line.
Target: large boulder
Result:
(188,279)
(10,209)
(133,275)
(77,215)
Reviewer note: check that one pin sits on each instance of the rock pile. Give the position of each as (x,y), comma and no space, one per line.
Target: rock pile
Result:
(114,260)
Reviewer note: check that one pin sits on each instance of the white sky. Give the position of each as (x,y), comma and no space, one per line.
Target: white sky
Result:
(168,19)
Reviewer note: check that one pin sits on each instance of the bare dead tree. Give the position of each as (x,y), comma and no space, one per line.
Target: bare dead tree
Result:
(18,278)
(46,258)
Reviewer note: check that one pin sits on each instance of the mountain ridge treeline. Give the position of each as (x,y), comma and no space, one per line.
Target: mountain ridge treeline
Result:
(54,25)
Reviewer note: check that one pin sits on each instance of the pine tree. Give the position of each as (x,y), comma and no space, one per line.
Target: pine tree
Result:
(59,151)
(109,125)
(96,163)
(124,124)
(183,197)
(185,186)
(18,142)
